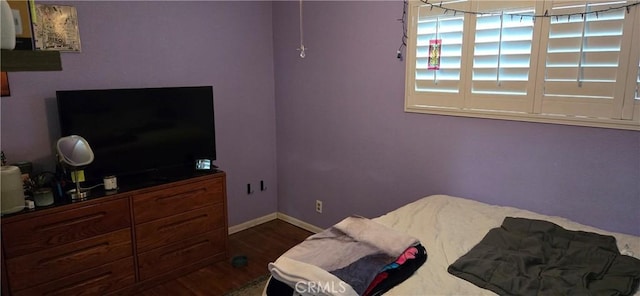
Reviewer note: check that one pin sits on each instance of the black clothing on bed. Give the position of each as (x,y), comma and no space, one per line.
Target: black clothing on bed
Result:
(392,277)
(534,257)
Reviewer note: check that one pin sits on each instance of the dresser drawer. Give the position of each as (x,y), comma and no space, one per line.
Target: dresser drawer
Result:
(183,253)
(27,236)
(96,281)
(178,227)
(56,262)
(158,204)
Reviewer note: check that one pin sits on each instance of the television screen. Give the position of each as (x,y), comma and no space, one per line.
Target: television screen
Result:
(141,134)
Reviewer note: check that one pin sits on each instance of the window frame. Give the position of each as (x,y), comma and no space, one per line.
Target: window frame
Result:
(466,105)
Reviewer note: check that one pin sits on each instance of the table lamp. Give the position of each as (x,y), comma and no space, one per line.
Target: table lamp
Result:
(74,152)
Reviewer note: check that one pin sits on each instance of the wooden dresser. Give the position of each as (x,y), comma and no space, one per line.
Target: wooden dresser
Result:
(119,243)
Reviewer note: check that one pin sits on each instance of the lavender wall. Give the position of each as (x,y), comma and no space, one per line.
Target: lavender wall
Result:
(343,136)
(155,43)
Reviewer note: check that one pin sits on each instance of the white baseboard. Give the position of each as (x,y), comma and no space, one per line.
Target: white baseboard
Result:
(266,218)
(251,223)
(299,223)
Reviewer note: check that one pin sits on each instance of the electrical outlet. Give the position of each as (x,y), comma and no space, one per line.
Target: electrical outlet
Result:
(319,206)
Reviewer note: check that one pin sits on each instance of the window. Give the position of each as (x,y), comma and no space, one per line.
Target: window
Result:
(508,60)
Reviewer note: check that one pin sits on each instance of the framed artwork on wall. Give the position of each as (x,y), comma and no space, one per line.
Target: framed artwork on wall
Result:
(21,10)
(55,27)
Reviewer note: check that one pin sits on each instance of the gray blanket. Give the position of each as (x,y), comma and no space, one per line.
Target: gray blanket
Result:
(533,257)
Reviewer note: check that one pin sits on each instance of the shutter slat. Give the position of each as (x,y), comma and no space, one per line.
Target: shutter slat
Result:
(491,87)
(565,30)
(491,74)
(603,59)
(600,74)
(442,74)
(562,73)
(589,74)
(444,86)
(589,59)
(601,90)
(563,59)
(603,43)
(564,44)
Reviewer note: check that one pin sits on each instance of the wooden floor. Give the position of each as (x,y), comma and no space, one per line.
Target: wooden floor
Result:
(261,244)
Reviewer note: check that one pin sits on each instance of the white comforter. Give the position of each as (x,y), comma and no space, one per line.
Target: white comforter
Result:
(449,227)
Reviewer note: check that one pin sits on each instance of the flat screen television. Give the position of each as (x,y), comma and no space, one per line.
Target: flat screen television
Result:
(143,135)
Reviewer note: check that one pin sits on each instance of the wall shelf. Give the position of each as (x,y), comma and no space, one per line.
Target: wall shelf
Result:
(28,60)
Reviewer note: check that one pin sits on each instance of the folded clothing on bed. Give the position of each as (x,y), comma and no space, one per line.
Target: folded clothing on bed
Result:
(535,257)
(357,256)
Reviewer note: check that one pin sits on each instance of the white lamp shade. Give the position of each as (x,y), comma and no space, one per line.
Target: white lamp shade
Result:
(74,151)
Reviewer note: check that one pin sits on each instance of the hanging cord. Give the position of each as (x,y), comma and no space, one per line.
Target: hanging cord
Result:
(301,48)
(403,45)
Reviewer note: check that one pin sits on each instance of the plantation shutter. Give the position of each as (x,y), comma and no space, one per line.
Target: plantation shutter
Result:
(502,54)
(631,105)
(502,65)
(443,85)
(583,73)
(638,85)
(556,61)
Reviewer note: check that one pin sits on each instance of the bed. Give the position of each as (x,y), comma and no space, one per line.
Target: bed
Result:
(450,228)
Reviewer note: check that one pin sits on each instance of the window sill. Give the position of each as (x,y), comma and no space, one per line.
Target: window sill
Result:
(539,118)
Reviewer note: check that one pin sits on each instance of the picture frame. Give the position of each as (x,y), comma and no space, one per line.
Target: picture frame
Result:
(55,27)
(21,10)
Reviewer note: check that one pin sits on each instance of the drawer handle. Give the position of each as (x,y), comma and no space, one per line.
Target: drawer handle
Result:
(65,290)
(185,250)
(87,250)
(181,195)
(67,223)
(181,222)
